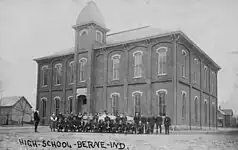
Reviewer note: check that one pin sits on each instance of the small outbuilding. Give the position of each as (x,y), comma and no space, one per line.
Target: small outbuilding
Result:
(15,110)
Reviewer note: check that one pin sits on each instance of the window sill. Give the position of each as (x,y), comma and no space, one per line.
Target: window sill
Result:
(137,77)
(115,79)
(184,77)
(44,86)
(82,81)
(162,74)
(57,84)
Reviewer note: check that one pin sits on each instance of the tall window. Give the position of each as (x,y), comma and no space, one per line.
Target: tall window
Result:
(84,32)
(137,98)
(195,76)
(213,113)
(115,103)
(162,65)
(137,64)
(212,82)
(57,105)
(196,108)
(161,103)
(58,74)
(205,76)
(99,36)
(82,63)
(43,104)
(115,67)
(184,105)
(184,57)
(71,72)
(205,112)
(70,104)
(44,75)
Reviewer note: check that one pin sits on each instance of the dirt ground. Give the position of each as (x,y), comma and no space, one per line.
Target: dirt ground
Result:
(23,138)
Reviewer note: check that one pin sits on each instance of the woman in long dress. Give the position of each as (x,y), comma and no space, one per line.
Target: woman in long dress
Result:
(53,121)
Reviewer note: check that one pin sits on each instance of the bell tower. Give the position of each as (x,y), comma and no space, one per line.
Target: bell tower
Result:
(90,31)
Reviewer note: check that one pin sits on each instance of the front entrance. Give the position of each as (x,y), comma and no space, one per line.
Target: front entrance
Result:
(82,103)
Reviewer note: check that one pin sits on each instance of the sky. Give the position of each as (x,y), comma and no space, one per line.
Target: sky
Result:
(35,28)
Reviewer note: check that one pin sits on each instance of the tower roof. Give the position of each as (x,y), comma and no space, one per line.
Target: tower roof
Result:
(90,14)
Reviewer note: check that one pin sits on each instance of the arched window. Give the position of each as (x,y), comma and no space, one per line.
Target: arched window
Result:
(195,76)
(58,73)
(205,76)
(136,96)
(84,32)
(213,82)
(82,63)
(57,105)
(196,104)
(161,102)
(44,70)
(162,62)
(99,36)
(184,94)
(138,64)
(43,105)
(115,103)
(213,114)
(115,66)
(71,72)
(205,111)
(183,64)
(70,103)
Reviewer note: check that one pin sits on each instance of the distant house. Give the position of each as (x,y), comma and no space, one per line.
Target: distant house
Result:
(15,110)
(228,117)
(220,118)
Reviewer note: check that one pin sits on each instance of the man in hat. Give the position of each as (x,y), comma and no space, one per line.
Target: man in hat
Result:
(167,123)
(36,119)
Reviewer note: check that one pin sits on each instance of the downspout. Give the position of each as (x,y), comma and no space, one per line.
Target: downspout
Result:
(175,39)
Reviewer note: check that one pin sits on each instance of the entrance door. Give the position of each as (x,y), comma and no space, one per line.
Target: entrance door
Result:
(82,101)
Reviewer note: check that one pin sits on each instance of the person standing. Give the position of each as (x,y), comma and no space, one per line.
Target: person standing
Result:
(158,121)
(53,122)
(36,119)
(167,123)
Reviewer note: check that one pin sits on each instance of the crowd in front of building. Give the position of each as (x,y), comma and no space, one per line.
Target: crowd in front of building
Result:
(108,123)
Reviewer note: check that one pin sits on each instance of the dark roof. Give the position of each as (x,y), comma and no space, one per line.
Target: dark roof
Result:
(11,101)
(228,111)
(130,36)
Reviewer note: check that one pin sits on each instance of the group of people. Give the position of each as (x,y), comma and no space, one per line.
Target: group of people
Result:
(107,123)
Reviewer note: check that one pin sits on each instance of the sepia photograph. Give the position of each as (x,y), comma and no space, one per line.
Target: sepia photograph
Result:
(118,74)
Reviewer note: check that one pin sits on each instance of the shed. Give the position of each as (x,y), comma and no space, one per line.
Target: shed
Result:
(15,110)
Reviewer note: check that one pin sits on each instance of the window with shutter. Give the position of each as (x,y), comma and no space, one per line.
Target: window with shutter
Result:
(137,101)
(43,105)
(138,64)
(196,108)
(162,61)
(184,105)
(205,112)
(161,102)
(44,79)
(71,72)
(58,73)
(82,64)
(57,105)
(115,66)
(184,63)
(115,103)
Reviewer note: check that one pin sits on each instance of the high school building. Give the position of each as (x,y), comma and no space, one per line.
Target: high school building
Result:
(145,70)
